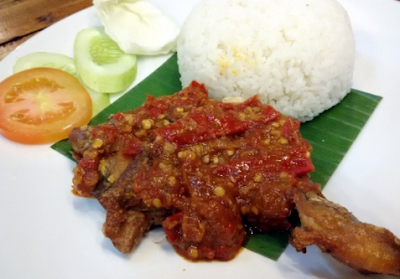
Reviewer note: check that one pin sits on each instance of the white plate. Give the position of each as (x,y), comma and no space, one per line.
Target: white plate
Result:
(46,232)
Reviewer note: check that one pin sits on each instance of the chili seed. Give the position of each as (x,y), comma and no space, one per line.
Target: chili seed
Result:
(198,148)
(215,160)
(258,177)
(141,133)
(168,148)
(129,119)
(188,154)
(102,167)
(275,124)
(172,180)
(193,252)
(275,132)
(166,122)
(283,174)
(219,191)
(162,166)
(206,159)
(157,202)
(283,141)
(90,153)
(248,110)
(147,123)
(97,143)
(242,116)
(179,109)
(111,178)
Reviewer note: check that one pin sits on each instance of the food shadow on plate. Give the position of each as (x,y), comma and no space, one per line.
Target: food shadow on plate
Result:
(317,264)
(153,246)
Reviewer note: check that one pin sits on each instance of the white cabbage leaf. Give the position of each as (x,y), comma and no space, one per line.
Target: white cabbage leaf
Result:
(137,26)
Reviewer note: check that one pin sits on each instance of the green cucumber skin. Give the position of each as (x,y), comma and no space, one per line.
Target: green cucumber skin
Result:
(46,59)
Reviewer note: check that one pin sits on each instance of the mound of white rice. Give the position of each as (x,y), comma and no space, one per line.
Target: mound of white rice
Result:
(298,55)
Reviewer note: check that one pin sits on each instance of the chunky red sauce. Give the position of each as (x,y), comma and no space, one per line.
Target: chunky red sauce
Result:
(215,167)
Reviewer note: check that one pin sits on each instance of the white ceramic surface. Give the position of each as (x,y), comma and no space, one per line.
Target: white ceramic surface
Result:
(46,232)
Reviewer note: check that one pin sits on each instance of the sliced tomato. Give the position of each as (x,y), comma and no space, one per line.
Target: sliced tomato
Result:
(42,105)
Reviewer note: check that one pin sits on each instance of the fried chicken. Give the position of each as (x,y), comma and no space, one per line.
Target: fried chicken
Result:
(205,170)
(362,246)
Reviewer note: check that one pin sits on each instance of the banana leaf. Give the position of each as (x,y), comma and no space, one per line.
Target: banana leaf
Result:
(331,134)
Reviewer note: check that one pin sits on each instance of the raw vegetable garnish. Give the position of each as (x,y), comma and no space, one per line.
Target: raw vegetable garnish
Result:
(65,63)
(149,31)
(101,64)
(331,135)
(42,105)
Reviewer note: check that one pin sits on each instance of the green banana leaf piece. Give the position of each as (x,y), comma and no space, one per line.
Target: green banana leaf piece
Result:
(331,135)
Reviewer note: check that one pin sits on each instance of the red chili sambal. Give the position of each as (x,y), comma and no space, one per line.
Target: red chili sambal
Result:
(201,168)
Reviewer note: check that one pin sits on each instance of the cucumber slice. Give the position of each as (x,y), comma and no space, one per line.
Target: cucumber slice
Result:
(65,63)
(99,100)
(101,64)
(46,59)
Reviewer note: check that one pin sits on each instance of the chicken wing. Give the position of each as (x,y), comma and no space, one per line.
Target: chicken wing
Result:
(364,247)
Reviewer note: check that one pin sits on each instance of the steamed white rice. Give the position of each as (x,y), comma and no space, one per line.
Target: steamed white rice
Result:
(298,55)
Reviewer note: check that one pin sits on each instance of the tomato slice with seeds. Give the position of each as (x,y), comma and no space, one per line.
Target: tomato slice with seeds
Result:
(42,105)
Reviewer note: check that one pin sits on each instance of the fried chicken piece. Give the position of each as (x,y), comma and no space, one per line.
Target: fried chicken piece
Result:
(128,219)
(125,228)
(188,155)
(109,157)
(124,225)
(364,247)
(203,169)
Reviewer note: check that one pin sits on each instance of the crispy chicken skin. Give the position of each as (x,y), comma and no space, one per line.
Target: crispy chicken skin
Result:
(364,247)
